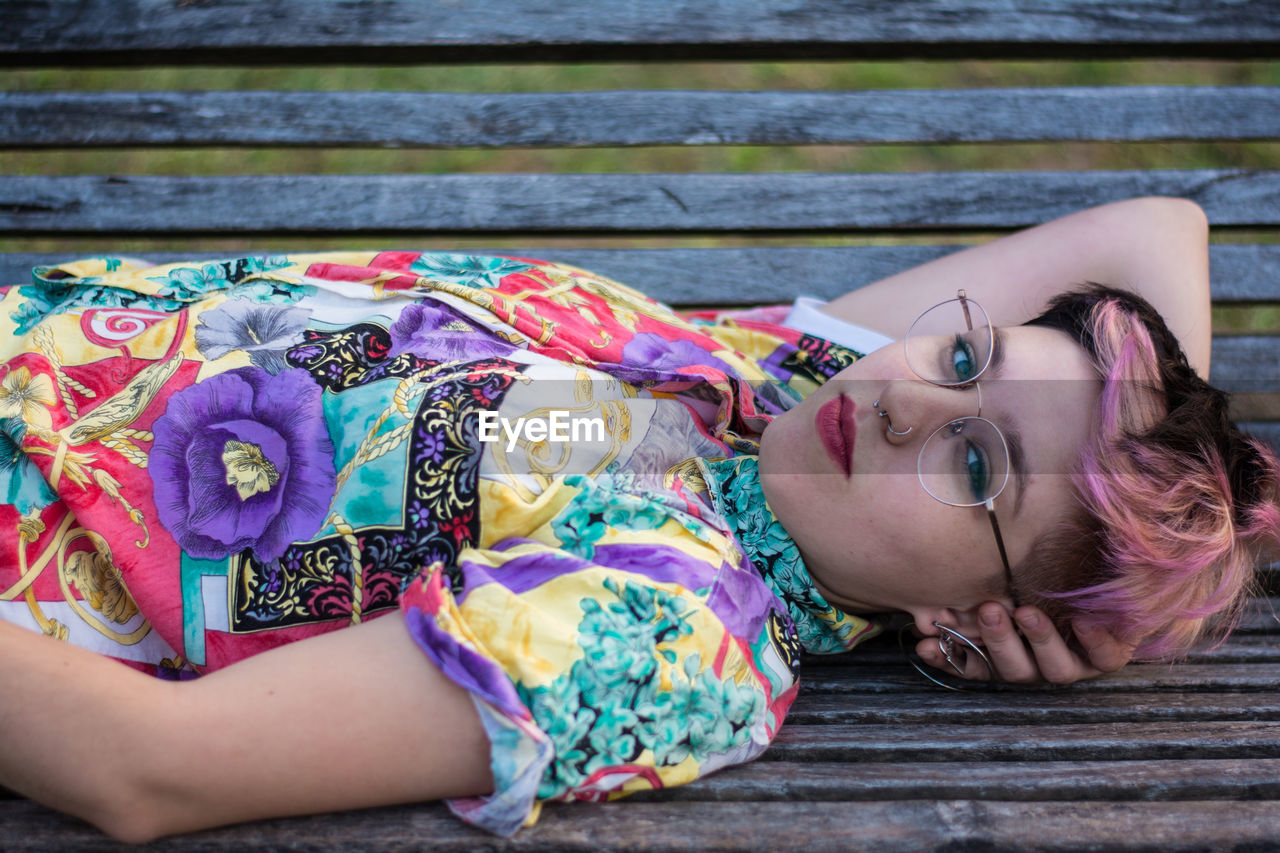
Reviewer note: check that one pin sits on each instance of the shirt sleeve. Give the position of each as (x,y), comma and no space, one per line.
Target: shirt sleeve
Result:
(617,648)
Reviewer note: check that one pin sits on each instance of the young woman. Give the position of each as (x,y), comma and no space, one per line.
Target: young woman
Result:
(214,466)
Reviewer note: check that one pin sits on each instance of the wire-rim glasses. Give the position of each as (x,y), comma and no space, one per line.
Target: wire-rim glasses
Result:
(965,462)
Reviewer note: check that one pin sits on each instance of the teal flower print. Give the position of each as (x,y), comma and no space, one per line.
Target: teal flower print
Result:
(618,647)
(629,692)
(470,270)
(21,483)
(191,283)
(665,729)
(54,297)
(596,508)
(612,738)
(734,485)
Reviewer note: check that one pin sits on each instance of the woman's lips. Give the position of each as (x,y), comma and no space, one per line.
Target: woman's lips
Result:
(836,430)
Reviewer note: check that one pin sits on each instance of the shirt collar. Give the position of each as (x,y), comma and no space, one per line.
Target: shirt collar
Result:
(736,493)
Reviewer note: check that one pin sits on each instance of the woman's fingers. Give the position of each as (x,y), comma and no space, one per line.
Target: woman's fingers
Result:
(1057,663)
(1105,652)
(1027,649)
(1009,654)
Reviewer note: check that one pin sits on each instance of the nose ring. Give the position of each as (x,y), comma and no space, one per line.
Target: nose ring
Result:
(882,413)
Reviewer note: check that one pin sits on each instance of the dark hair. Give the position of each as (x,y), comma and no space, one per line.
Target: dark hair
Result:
(1177,502)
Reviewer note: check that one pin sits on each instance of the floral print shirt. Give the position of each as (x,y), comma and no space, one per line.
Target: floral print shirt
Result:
(550,476)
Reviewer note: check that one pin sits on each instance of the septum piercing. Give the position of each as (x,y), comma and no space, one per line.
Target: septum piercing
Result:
(882,413)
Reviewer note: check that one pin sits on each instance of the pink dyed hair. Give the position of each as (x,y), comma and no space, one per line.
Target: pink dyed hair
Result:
(1178,503)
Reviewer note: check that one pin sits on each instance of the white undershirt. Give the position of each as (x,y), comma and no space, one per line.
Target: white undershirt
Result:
(806,316)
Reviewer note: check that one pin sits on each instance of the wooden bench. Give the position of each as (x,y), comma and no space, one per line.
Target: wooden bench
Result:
(1154,757)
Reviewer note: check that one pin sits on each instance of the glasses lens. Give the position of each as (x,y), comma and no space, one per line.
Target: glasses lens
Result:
(965,462)
(950,344)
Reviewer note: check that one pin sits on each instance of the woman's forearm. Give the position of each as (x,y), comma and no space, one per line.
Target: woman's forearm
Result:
(69,721)
(1155,247)
(349,719)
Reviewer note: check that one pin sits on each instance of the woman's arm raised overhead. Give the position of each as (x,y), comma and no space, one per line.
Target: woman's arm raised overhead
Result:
(1155,247)
(353,718)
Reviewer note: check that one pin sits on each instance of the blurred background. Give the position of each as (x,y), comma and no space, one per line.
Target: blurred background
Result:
(689,76)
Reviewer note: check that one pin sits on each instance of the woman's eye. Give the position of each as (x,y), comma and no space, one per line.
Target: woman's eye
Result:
(977,472)
(963,360)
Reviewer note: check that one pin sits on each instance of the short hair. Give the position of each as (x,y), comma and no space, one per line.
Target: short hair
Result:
(1178,503)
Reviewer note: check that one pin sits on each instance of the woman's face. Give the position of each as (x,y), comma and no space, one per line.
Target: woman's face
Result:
(872,537)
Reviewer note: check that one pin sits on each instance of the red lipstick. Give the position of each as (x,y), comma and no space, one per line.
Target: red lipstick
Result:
(836,430)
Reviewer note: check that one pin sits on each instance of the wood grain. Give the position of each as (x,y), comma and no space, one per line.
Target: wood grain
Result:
(813,827)
(621,118)
(759,275)
(140,32)
(606,203)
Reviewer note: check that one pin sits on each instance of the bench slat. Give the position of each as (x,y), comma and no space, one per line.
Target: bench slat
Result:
(1028,707)
(308,31)
(1184,779)
(1268,431)
(674,827)
(1135,678)
(641,203)
(754,276)
(1150,780)
(1068,741)
(582,119)
(1245,363)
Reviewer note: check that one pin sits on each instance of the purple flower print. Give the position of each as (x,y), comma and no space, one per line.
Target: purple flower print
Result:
(306,352)
(243,461)
(439,333)
(653,357)
(263,331)
(273,580)
(419,514)
(432,446)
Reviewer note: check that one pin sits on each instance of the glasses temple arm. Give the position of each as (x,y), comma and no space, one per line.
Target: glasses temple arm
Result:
(964,304)
(1004,555)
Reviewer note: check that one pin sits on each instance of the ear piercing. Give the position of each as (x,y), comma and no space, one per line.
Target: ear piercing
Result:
(884,414)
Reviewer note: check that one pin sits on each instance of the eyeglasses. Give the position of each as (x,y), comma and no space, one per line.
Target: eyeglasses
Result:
(965,462)
(955,648)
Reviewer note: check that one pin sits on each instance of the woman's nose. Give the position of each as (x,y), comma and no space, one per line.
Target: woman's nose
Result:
(912,408)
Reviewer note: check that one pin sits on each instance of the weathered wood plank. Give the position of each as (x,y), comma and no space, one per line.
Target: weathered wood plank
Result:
(857,680)
(755,276)
(1268,431)
(1064,742)
(1246,363)
(1238,649)
(889,826)
(150,31)
(638,203)
(1030,708)
(583,119)
(1245,779)
(1261,613)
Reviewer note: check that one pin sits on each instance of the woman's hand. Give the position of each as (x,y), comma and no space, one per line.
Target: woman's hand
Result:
(1037,654)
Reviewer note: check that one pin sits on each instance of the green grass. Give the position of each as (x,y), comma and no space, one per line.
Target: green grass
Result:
(551,78)
(741,76)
